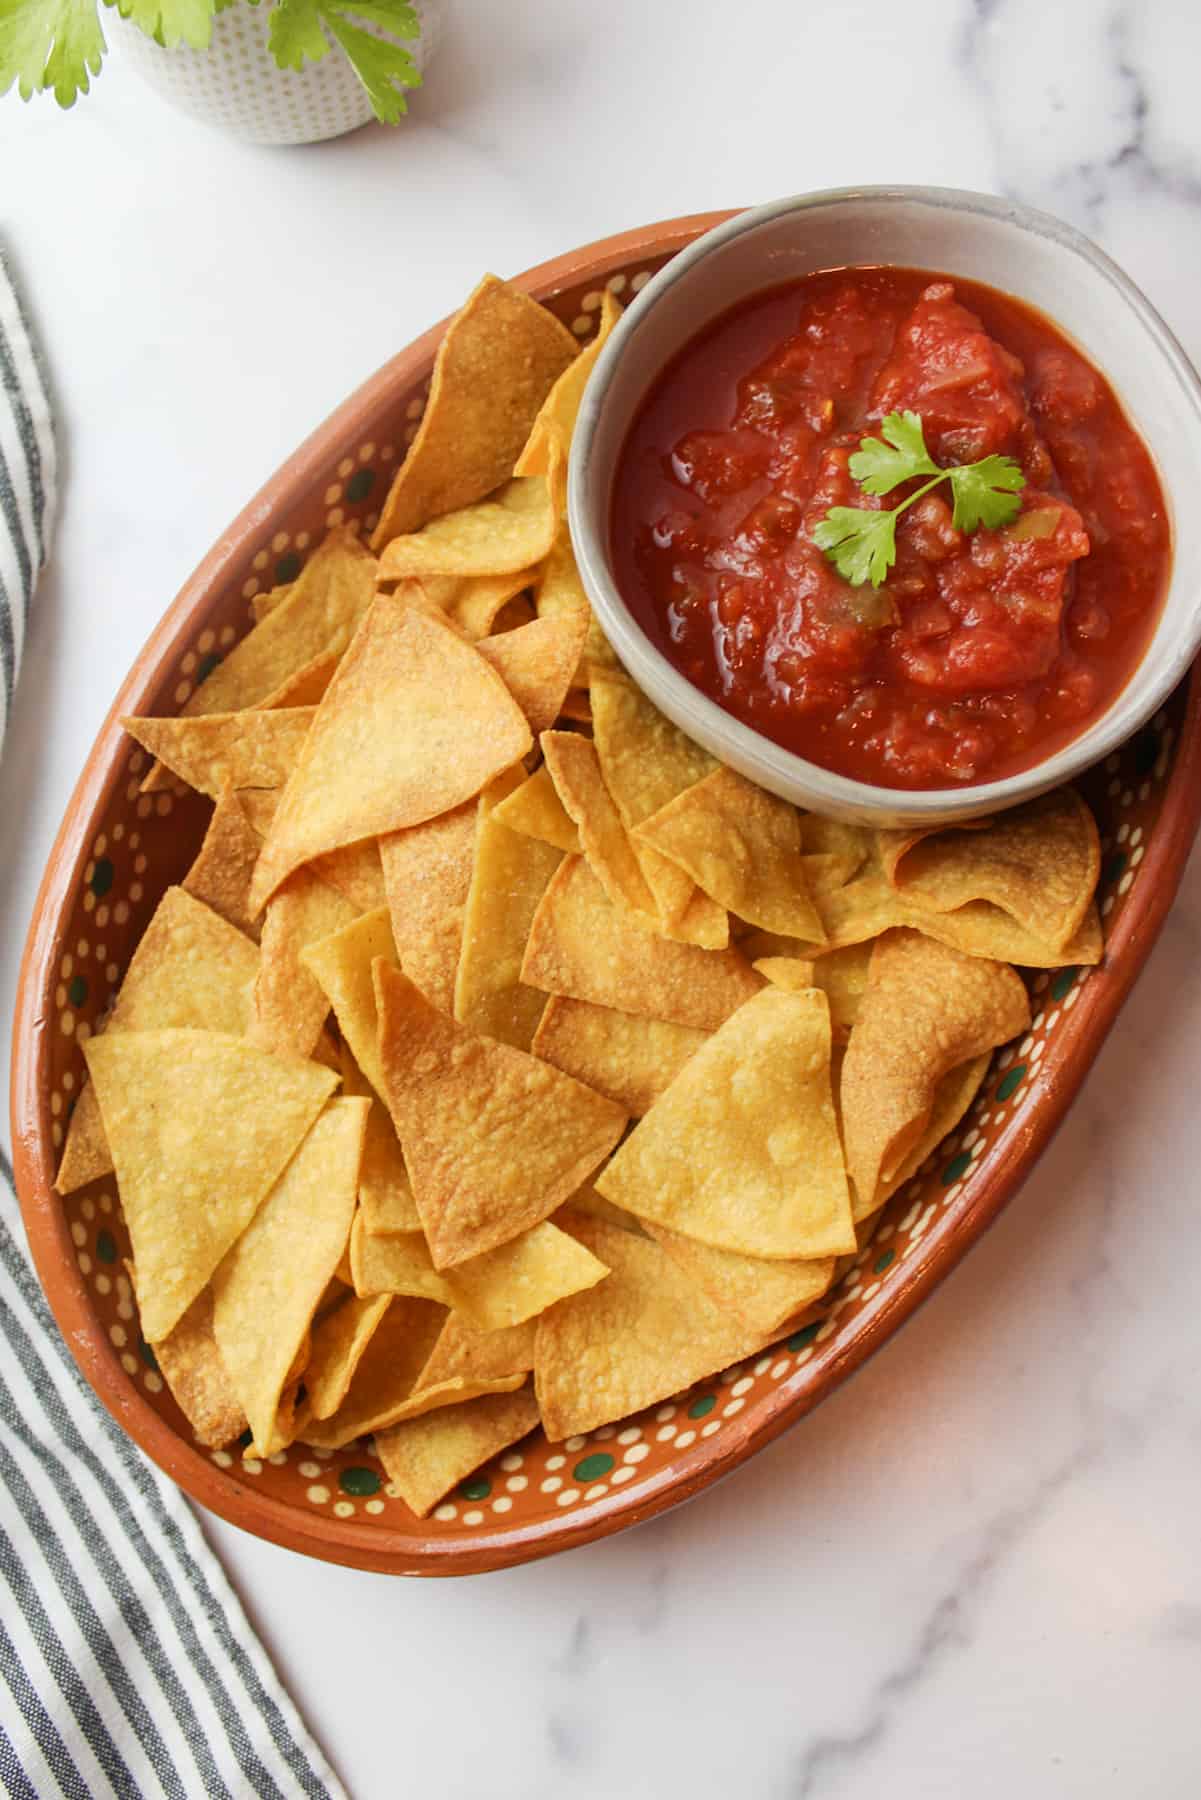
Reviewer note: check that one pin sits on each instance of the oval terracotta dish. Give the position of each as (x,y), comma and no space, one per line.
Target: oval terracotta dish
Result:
(118,849)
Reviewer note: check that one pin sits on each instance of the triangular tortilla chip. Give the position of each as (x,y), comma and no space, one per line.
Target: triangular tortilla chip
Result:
(493,1139)
(555,424)
(497,361)
(952,1097)
(356,872)
(337,1348)
(424,1458)
(307,686)
(413,723)
(476,602)
(509,531)
(267,1287)
(385,1192)
(290,1005)
(220,750)
(342,966)
(926,1010)
(190,969)
(223,869)
(742,1151)
(190,1364)
(762,1295)
(643,1333)
(574,768)
(584,947)
(536,663)
(427,875)
(536,810)
(509,877)
(631,1060)
(462,1349)
(200,1125)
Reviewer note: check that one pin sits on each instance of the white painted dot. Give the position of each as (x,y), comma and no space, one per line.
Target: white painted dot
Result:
(252,1465)
(278,1459)
(502,1504)
(682,1442)
(555,1462)
(79,1235)
(637,1453)
(474,1517)
(446,1512)
(512,1461)
(827,1330)
(597,1491)
(581,324)
(374,1507)
(118,1335)
(552,1484)
(222,1458)
(517,1484)
(630,1435)
(591,302)
(869,1292)
(735,1406)
(1124,883)
(639,281)
(310,1470)
(742,1387)
(1123,833)
(85,1263)
(780,1370)
(103,1284)
(713,1426)
(666,1412)
(762,1366)
(153,1381)
(1107,906)
(603,1433)
(573,1443)
(665,1433)
(318,1495)
(568,1497)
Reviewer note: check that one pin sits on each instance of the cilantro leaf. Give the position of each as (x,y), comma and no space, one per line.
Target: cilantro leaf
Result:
(879,467)
(169,22)
(52,44)
(986,493)
(297,34)
(862,544)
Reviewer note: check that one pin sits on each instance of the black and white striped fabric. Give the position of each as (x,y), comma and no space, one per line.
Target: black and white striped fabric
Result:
(127,1666)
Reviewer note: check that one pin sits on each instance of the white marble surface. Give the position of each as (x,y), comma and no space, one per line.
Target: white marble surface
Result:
(975,1570)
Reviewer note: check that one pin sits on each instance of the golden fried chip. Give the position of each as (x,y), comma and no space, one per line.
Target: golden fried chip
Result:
(307,686)
(843,848)
(952,1097)
(927,1009)
(841,975)
(190,1363)
(791,973)
(355,871)
(575,769)
(223,869)
(290,1004)
(559,588)
(220,750)
(632,1060)
(761,1295)
(506,533)
(398,1263)
(496,363)
(462,1349)
(425,1457)
(742,1151)
(536,810)
(264,604)
(259,805)
(555,424)
(742,846)
(584,947)
(413,723)
(342,966)
(200,1125)
(520,1279)
(587,1200)
(385,1192)
(508,880)
(267,1287)
(338,1343)
(536,663)
(1039,863)
(703,921)
(494,1140)
(646,1331)
(191,968)
(427,876)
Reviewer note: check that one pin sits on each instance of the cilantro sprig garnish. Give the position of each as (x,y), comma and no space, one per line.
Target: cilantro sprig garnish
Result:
(862,543)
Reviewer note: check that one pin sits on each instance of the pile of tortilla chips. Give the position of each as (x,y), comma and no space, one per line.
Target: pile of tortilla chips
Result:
(497,1030)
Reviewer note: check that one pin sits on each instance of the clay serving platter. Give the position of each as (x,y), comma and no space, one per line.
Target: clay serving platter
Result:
(118,849)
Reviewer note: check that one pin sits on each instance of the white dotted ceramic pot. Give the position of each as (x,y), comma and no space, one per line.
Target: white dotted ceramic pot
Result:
(236,84)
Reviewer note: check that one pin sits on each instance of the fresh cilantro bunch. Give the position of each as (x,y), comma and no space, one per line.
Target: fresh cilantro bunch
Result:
(57,45)
(862,544)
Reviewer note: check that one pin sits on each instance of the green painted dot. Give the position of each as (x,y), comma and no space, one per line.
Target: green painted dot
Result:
(591,1468)
(106,1249)
(246,1439)
(1146,751)
(1113,866)
(701,1406)
(882,1262)
(288,567)
(360,484)
(102,877)
(77,991)
(148,1356)
(361,1482)
(806,1335)
(957,1166)
(205,666)
(1062,985)
(478,1488)
(1011,1081)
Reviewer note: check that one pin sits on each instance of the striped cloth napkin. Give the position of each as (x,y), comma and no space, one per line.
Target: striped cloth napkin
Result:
(127,1666)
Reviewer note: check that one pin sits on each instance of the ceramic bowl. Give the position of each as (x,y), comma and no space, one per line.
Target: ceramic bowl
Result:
(117,850)
(1039,259)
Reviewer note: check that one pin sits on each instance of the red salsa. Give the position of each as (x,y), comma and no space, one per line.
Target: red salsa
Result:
(982,652)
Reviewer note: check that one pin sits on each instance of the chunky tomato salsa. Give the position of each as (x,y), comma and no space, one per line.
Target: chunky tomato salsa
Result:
(981,650)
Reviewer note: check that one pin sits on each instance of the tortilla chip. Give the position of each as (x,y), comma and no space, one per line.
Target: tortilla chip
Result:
(761,1295)
(221,750)
(506,533)
(190,1364)
(628,1059)
(427,877)
(355,871)
(587,1200)
(482,600)
(952,1097)
(342,966)
(791,973)
(191,968)
(643,1333)
(518,1280)
(583,947)
(926,1010)
(201,1125)
(221,875)
(703,922)
(555,424)
(337,1348)
(844,848)
(264,604)
(463,1350)
(259,805)
(536,663)
(290,1004)
(841,975)
(425,1457)
(399,1263)
(268,1286)
(742,846)
(497,361)
(578,707)
(307,686)
(413,724)
(494,1140)
(536,810)
(574,767)
(1039,863)
(509,878)
(385,1193)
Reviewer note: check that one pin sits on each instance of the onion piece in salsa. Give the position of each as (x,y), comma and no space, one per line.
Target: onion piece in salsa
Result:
(982,652)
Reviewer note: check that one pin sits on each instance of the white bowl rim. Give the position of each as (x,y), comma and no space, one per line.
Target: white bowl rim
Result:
(742,745)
